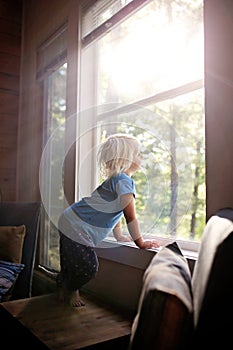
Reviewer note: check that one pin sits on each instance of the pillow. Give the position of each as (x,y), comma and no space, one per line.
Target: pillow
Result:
(8,275)
(11,243)
(164,318)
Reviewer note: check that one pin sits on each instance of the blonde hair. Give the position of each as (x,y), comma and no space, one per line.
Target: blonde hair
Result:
(117,154)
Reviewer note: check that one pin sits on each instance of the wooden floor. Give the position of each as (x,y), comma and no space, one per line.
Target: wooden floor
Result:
(61,327)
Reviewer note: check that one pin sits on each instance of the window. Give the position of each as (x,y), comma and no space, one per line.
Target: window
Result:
(54,149)
(52,80)
(142,73)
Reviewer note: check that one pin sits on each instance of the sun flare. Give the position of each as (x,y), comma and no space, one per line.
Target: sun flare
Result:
(153,52)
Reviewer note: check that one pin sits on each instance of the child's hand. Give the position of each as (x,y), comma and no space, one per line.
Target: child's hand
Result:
(149,244)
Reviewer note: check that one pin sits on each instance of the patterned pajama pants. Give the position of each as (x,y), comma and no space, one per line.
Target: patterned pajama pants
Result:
(79,264)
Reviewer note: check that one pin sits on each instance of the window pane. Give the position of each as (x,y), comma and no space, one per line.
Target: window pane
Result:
(158,48)
(185,176)
(170,197)
(155,60)
(53,153)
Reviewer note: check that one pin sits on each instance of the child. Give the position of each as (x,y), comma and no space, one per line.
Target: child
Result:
(87,222)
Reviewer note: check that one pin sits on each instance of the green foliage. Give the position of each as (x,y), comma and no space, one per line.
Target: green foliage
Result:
(185,117)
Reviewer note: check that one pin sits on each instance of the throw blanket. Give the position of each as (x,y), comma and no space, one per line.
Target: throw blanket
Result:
(168,272)
(216,231)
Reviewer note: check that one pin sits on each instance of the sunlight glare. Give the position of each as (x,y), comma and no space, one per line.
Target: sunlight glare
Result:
(153,52)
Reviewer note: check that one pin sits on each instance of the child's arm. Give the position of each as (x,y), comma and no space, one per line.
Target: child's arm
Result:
(117,232)
(129,210)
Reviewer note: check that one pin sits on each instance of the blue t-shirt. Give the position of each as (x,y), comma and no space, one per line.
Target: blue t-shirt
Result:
(91,219)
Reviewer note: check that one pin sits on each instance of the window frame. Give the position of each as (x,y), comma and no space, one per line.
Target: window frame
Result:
(189,248)
(73,104)
(51,55)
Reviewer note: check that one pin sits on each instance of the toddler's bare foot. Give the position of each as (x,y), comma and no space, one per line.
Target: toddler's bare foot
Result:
(74,299)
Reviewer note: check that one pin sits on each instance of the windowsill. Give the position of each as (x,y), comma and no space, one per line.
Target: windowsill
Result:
(128,253)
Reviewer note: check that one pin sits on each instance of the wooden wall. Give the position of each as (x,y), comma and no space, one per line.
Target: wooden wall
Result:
(42,19)
(218,21)
(10,47)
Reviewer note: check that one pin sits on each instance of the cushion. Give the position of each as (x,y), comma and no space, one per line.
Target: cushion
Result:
(164,316)
(8,275)
(11,243)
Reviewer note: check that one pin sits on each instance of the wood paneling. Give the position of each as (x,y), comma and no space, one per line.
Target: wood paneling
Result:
(10,44)
(9,83)
(7,140)
(9,64)
(10,10)
(8,187)
(9,102)
(218,103)
(9,27)
(10,47)
(8,124)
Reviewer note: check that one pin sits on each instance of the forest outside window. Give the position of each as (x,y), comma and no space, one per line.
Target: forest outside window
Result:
(143,71)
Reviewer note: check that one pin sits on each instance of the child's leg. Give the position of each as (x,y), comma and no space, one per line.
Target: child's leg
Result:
(68,296)
(79,265)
